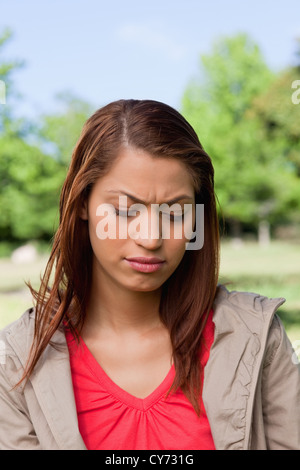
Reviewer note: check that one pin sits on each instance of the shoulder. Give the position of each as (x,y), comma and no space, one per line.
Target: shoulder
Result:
(251,302)
(15,342)
(25,321)
(21,330)
(241,317)
(251,309)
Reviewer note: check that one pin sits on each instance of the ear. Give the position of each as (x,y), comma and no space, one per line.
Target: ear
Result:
(84,211)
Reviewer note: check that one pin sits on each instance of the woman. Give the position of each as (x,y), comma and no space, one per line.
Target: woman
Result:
(132,345)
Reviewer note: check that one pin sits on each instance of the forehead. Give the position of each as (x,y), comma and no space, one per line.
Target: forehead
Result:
(149,177)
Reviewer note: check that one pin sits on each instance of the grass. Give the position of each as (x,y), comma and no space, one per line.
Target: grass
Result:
(15,297)
(273,271)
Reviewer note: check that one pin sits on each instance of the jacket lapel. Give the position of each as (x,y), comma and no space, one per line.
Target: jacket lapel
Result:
(52,384)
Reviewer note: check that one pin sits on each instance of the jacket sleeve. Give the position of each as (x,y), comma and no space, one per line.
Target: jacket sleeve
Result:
(16,429)
(281,392)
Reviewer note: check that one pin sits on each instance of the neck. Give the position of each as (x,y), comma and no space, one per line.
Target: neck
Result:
(117,308)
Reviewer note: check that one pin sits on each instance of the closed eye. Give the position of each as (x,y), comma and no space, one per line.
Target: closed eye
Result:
(173,216)
(122,213)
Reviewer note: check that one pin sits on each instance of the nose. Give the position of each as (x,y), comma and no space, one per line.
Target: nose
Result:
(149,235)
(149,243)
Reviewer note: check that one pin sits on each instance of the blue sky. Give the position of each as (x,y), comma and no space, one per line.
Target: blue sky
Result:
(106,50)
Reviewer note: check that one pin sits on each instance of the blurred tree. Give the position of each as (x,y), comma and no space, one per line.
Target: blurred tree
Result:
(280,116)
(218,104)
(59,132)
(30,183)
(7,69)
(33,161)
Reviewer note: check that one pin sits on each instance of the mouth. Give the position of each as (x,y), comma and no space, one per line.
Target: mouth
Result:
(145,265)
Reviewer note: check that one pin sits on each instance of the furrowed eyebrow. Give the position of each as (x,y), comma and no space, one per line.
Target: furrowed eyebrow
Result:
(135,199)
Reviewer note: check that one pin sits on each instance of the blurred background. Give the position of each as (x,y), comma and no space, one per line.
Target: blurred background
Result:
(231,68)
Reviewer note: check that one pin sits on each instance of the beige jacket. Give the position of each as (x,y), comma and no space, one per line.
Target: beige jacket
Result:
(251,387)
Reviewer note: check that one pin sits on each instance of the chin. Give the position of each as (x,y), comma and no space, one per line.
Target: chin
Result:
(145,287)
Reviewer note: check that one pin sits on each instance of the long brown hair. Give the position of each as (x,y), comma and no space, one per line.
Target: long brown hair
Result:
(188,295)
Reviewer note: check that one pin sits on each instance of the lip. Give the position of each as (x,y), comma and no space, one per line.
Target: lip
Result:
(143,260)
(145,265)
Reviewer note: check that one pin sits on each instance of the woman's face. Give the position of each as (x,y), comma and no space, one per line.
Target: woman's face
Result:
(133,251)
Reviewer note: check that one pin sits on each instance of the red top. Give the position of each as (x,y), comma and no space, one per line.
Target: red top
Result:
(109,418)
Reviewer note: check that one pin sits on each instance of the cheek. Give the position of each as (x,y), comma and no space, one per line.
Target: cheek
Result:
(174,250)
(104,243)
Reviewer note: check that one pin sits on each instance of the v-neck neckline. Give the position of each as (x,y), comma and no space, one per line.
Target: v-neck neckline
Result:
(125,397)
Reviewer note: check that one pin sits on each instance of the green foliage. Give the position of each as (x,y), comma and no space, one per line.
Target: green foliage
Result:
(33,162)
(254,176)
(235,72)
(29,180)
(62,130)
(7,69)
(31,175)
(243,115)
(29,190)
(280,117)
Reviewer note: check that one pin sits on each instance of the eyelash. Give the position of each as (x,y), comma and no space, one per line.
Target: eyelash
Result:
(121,213)
(173,218)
